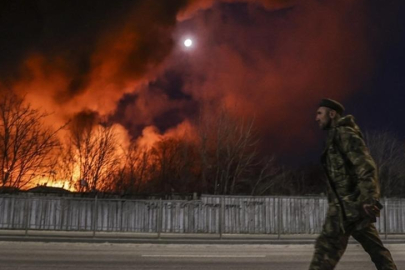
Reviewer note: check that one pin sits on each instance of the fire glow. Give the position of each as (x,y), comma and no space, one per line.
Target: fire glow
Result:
(118,68)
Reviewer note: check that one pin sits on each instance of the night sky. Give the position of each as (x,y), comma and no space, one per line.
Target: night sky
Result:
(271,59)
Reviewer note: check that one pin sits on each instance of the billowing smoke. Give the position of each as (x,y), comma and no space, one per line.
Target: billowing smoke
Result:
(197,5)
(269,63)
(268,59)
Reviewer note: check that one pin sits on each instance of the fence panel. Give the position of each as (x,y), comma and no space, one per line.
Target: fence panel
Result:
(211,214)
(271,215)
(190,217)
(13,212)
(396,216)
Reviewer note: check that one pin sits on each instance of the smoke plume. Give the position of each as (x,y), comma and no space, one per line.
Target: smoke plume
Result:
(271,60)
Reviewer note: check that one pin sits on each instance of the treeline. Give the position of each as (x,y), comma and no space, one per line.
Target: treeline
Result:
(221,157)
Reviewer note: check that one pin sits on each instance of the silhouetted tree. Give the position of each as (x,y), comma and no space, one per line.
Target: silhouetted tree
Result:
(389,154)
(134,174)
(174,163)
(228,150)
(27,145)
(92,148)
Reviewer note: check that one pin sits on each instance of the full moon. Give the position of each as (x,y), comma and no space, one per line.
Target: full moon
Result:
(188,42)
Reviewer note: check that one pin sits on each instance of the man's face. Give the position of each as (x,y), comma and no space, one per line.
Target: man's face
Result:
(323,118)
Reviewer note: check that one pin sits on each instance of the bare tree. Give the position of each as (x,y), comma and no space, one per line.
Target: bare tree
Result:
(174,163)
(134,174)
(66,169)
(266,180)
(93,151)
(389,154)
(228,150)
(26,144)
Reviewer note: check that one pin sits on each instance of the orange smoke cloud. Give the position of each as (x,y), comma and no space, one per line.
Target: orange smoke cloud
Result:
(196,5)
(151,134)
(279,64)
(258,58)
(124,55)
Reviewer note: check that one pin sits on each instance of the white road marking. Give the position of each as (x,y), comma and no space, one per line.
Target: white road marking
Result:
(203,256)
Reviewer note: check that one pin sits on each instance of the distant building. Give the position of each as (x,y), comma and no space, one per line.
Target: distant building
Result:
(48,190)
(9,190)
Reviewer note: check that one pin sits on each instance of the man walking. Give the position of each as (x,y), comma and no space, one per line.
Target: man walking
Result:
(353,192)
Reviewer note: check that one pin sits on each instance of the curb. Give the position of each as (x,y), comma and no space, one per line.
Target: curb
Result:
(152,241)
(194,241)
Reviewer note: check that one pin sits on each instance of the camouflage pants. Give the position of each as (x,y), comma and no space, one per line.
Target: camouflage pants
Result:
(332,243)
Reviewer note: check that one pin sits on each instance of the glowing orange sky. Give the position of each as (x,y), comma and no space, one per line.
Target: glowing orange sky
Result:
(274,62)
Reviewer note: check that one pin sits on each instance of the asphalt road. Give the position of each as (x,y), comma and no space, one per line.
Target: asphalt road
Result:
(66,256)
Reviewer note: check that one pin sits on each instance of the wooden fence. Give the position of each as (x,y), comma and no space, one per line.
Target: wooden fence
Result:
(211,214)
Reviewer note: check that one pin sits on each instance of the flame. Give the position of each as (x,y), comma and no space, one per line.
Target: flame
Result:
(278,79)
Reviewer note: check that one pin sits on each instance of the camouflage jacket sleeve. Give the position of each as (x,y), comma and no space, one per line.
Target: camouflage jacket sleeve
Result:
(360,163)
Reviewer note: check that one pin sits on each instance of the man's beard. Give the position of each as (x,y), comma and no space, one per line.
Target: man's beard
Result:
(327,125)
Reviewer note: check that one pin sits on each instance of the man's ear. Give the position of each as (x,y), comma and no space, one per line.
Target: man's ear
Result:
(332,114)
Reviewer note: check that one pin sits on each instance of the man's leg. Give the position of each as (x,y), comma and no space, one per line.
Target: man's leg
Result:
(371,242)
(330,246)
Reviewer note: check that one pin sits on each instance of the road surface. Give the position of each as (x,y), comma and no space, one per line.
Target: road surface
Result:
(92,256)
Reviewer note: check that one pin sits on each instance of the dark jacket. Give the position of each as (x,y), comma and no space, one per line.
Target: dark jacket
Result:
(351,172)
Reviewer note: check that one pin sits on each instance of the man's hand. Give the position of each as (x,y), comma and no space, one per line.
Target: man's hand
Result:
(371,210)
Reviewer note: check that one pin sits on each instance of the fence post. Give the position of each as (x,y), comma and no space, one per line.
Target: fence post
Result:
(27,214)
(279,217)
(386,217)
(122,216)
(160,218)
(95,216)
(221,217)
